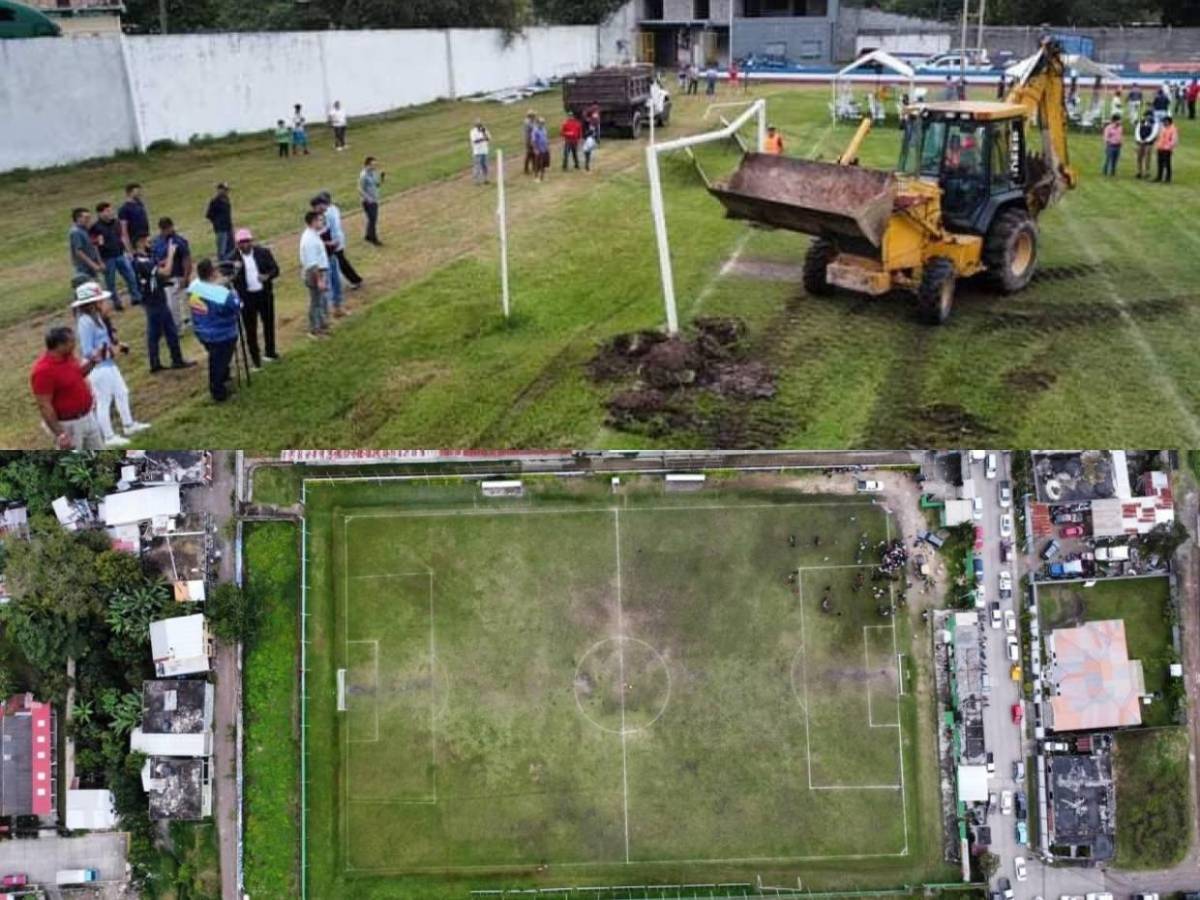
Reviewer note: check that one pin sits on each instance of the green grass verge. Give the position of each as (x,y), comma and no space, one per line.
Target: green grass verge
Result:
(1144,605)
(521,603)
(277,485)
(270,708)
(431,363)
(1154,821)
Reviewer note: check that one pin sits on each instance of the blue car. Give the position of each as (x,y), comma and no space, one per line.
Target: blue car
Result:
(978,564)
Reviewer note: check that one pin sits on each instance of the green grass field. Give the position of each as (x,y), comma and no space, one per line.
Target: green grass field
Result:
(271,707)
(1154,822)
(576,688)
(1143,605)
(427,360)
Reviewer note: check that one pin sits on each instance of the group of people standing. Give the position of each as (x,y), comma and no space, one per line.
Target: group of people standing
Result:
(578,133)
(292,139)
(1155,134)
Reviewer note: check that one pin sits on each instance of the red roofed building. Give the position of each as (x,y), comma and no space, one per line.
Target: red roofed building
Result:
(1121,517)
(28,764)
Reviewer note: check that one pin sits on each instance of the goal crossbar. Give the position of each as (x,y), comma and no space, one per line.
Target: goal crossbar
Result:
(756,110)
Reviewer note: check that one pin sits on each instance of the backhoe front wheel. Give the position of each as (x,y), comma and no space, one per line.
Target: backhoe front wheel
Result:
(1010,251)
(816,267)
(935,294)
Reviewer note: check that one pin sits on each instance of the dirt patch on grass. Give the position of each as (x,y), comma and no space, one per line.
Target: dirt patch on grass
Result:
(671,383)
(1030,380)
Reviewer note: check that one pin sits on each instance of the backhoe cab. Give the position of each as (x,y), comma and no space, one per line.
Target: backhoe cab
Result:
(963,201)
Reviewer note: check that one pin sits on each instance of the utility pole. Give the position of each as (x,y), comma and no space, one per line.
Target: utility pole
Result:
(162,16)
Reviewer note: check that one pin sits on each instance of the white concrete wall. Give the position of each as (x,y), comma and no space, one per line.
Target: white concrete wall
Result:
(62,99)
(67,99)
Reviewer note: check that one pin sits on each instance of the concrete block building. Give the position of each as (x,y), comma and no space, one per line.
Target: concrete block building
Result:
(676,32)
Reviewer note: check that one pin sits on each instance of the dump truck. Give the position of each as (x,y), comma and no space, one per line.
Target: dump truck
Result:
(76,876)
(964,201)
(624,95)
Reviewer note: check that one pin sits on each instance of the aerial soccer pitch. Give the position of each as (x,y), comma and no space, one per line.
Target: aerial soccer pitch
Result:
(586,682)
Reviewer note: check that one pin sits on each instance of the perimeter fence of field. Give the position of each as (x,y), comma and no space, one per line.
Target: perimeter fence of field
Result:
(725,891)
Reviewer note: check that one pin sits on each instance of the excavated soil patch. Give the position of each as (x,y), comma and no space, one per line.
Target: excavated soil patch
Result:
(664,381)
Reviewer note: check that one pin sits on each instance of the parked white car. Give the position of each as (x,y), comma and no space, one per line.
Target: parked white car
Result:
(977,507)
(867,486)
(990,466)
(1006,802)
(1006,525)
(1019,865)
(1014,649)
(1010,621)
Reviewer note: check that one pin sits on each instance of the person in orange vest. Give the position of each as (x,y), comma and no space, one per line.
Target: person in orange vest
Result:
(1168,140)
(774,143)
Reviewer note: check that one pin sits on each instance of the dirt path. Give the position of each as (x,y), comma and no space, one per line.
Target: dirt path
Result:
(1188,568)
(424,229)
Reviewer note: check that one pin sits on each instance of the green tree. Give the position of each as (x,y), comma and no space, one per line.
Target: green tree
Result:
(81,712)
(132,609)
(55,571)
(230,614)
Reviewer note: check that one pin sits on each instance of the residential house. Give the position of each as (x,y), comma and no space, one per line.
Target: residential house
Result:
(181,646)
(179,789)
(177,717)
(28,763)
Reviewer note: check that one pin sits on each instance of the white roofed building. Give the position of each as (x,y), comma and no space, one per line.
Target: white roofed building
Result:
(181,645)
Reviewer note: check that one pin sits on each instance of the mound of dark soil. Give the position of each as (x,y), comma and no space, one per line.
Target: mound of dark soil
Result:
(665,378)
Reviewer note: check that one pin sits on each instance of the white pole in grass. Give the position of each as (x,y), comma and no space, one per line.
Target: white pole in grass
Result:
(502,216)
(664,246)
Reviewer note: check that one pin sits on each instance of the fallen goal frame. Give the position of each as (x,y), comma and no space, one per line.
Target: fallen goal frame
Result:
(757,109)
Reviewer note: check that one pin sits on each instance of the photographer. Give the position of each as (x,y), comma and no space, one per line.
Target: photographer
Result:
(254,280)
(215,310)
(98,341)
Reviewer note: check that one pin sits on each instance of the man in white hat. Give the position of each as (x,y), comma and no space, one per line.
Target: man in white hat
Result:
(97,341)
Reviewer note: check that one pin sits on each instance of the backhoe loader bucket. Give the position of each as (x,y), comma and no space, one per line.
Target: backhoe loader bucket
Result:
(821,199)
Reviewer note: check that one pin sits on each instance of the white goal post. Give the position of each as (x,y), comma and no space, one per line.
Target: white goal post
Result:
(757,109)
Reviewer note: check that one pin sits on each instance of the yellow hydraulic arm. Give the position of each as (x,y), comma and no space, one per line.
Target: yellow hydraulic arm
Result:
(1042,91)
(850,156)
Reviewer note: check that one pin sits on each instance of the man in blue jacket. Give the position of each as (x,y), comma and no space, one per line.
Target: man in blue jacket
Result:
(215,310)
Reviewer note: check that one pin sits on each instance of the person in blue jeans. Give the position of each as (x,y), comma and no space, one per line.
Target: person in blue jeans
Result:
(107,235)
(216,311)
(160,325)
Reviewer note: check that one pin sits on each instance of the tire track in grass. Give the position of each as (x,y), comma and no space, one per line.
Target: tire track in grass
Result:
(1154,368)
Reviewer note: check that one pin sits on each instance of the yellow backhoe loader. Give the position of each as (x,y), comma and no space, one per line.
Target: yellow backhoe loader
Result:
(964,201)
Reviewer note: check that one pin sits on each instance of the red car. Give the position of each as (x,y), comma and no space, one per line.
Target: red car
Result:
(1017,713)
(1072,531)
(978,538)
(15,880)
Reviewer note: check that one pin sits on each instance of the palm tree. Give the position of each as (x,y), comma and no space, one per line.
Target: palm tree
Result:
(81,712)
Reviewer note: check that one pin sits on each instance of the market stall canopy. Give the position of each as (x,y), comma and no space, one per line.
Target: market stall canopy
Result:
(880,59)
(1074,63)
(20,21)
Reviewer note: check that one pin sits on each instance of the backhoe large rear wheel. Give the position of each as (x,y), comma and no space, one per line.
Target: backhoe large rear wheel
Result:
(816,267)
(1010,251)
(935,294)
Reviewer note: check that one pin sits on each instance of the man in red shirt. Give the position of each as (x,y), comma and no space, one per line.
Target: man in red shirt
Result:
(63,396)
(572,134)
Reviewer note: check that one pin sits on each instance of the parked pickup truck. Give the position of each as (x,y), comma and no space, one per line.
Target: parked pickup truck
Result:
(622,94)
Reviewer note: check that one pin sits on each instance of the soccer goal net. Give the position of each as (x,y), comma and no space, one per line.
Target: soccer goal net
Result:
(755,112)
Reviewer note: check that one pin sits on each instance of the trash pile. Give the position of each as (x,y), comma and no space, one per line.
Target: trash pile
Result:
(670,374)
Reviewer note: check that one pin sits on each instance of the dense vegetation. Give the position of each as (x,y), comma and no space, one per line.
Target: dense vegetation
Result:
(280,15)
(76,598)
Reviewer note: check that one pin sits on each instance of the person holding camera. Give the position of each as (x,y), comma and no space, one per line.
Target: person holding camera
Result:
(215,311)
(98,341)
(254,280)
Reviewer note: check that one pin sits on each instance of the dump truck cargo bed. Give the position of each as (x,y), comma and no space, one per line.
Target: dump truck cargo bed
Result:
(817,198)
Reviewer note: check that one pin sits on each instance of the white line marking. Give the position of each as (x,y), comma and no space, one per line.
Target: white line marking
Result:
(526,511)
(375,695)
(899,730)
(621,670)
(725,269)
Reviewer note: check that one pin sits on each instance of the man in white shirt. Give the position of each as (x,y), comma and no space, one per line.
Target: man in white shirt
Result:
(254,280)
(314,267)
(337,121)
(479,151)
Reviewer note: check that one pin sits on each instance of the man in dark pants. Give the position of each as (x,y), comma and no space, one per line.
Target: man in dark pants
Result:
(369,182)
(215,311)
(254,281)
(220,213)
(160,324)
(106,234)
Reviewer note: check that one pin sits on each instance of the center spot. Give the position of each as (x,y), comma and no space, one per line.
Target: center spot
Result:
(622,685)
